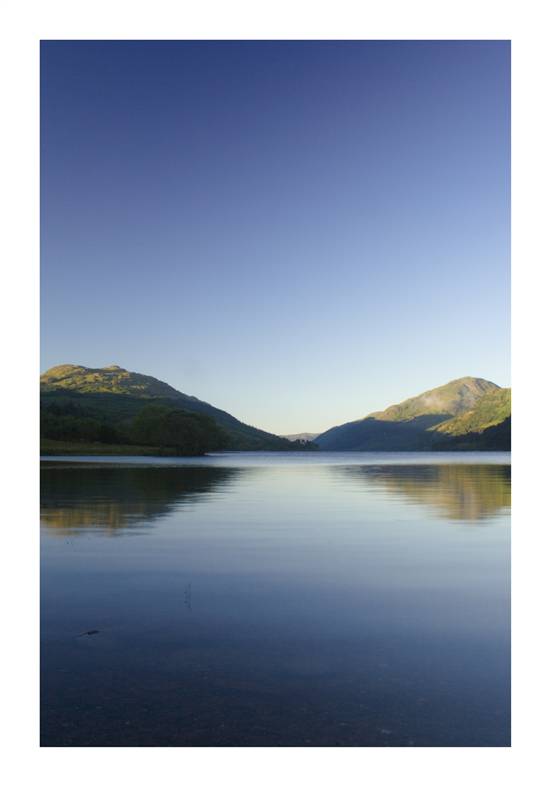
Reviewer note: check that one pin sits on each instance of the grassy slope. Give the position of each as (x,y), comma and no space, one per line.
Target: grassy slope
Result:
(493,408)
(455,397)
(119,394)
(425,422)
(111,379)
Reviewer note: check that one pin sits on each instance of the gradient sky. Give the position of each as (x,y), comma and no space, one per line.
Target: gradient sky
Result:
(297,232)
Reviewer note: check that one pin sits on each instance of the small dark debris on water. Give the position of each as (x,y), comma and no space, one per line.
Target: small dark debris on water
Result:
(87,633)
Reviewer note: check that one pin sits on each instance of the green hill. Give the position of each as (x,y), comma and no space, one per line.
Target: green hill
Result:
(438,419)
(486,425)
(103,405)
(111,379)
(454,398)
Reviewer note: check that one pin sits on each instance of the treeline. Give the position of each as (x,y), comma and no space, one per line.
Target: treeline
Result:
(154,425)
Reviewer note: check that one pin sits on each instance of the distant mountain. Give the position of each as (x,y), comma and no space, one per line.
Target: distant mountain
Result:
(304,436)
(116,396)
(437,419)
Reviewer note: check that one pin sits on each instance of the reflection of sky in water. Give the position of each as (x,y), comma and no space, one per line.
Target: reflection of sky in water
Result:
(256,583)
(117,497)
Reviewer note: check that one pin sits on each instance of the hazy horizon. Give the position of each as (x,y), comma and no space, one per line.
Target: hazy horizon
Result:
(299,233)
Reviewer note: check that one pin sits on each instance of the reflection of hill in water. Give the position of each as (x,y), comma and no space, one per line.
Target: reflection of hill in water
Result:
(467,492)
(112,498)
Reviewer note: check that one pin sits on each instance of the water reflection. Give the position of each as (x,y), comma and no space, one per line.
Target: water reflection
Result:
(114,498)
(461,492)
(80,496)
(305,604)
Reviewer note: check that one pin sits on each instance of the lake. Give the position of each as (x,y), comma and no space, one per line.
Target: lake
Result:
(276,599)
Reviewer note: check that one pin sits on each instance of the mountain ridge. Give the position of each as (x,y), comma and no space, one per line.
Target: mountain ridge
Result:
(418,423)
(466,413)
(453,398)
(117,395)
(108,379)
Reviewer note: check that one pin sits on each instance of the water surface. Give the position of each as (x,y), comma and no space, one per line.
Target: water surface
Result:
(276,599)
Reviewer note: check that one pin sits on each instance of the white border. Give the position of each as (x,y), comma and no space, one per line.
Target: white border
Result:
(24,23)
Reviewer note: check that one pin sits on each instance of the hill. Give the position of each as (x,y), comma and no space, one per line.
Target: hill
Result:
(111,379)
(456,416)
(454,398)
(110,399)
(487,425)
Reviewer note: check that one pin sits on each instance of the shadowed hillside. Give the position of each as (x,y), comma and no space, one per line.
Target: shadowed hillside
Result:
(87,405)
(465,414)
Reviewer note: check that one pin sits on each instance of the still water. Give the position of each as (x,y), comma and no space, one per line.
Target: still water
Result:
(276,600)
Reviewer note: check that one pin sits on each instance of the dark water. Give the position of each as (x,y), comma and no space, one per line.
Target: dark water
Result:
(277,600)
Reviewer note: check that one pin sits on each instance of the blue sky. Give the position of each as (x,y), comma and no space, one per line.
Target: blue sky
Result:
(297,232)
